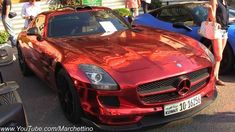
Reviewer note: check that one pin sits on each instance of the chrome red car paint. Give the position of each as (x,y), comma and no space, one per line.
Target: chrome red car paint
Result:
(130,107)
(132,57)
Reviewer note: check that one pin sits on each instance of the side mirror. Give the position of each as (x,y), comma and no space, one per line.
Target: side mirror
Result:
(181,25)
(32,31)
(40,38)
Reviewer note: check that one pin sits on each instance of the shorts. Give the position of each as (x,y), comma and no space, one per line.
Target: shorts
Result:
(224,34)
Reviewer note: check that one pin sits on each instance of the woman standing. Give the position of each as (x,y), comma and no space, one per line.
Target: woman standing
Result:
(145,4)
(218,12)
(133,6)
(6,8)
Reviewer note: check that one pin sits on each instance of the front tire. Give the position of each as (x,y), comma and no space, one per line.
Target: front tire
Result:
(227,61)
(68,97)
(26,71)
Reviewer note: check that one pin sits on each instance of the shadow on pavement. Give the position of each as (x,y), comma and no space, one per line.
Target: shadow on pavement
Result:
(230,78)
(217,117)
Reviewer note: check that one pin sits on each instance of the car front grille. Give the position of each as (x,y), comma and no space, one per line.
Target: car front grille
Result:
(166,89)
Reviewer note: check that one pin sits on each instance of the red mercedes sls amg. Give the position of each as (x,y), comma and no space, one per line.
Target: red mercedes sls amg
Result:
(114,75)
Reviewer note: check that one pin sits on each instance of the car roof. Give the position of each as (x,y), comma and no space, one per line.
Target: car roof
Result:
(190,2)
(180,4)
(68,9)
(186,3)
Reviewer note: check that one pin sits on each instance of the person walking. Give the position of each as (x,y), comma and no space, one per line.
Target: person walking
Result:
(218,12)
(6,7)
(133,6)
(145,4)
(29,11)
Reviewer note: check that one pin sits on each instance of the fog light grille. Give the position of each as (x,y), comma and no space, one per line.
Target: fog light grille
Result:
(110,101)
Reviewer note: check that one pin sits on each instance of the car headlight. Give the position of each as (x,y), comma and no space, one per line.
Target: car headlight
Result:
(98,77)
(208,52)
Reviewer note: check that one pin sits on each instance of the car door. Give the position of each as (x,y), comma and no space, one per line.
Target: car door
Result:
(33,45)
(45,52)
(170,16)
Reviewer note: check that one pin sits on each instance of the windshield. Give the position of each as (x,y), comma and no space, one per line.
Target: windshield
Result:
(200,13)
(85,23)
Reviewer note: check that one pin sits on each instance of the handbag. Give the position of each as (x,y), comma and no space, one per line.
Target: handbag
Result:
(12,14)
(210,30)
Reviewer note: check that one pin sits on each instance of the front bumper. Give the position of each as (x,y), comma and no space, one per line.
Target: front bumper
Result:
(126,109)
(155,118)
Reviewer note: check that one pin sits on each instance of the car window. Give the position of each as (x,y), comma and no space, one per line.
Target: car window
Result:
(85,23)
(176,14)
(39,23)
(199,13)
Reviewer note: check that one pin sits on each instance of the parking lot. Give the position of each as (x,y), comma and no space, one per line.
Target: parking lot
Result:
(43,109)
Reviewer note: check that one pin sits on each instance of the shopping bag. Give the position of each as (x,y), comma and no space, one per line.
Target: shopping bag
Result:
(210,30)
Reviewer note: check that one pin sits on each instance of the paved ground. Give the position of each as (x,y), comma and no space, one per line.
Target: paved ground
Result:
(43,108)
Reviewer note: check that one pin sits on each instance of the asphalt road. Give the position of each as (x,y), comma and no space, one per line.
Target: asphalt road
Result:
(43,109)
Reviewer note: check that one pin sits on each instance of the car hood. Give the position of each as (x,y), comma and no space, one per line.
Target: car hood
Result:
(141,49)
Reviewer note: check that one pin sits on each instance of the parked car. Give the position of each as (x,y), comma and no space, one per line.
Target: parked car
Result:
(186,19)
(12,114)
(115,76)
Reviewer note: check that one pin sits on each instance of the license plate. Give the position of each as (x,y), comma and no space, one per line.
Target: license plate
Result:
(182,106)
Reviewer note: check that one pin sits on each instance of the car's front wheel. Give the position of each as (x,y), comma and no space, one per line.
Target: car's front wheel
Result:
(26,71)
(68,97)
(227,61)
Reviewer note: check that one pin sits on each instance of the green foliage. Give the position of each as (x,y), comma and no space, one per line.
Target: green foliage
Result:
(3,37)
(55,4)
(123,12)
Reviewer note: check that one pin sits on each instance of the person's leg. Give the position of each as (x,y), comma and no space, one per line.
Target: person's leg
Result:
(136,12)
(144,6)
(132,12)
(218,53)
(224,41)
(8,27)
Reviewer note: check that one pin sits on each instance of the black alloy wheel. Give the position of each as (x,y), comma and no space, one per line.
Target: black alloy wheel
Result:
(227,62)
(68,97)
(26,71)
